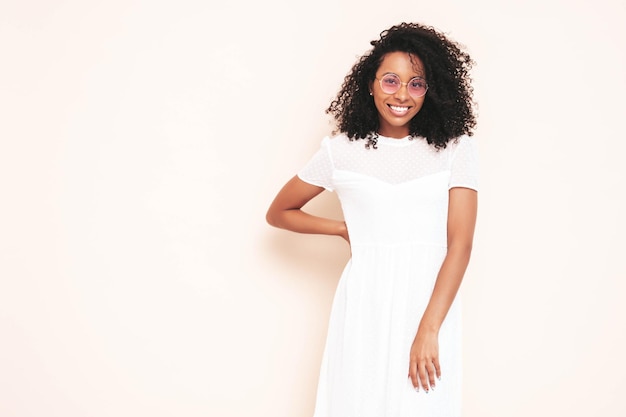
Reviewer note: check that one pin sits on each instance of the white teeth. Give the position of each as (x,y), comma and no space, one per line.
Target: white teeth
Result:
(399,109)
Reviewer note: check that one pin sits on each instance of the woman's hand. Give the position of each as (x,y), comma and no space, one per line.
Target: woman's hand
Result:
(424,360)
(344,233)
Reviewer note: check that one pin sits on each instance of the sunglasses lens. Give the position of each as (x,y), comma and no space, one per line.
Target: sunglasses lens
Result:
(390,83)
(417,87)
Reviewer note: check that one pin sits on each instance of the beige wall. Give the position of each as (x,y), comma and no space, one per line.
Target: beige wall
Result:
(141,143)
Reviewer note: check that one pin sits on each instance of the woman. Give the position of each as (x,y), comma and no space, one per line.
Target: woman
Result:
(404,166)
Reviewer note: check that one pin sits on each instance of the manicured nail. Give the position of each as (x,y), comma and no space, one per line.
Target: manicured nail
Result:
(417,389)
(439,378)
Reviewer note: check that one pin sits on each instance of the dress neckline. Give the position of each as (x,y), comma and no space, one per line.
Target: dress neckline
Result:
(405,141)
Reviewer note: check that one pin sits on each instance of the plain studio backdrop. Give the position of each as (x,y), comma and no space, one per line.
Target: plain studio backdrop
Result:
(142,142)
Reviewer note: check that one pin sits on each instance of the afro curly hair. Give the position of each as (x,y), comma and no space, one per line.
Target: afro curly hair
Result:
(448,109)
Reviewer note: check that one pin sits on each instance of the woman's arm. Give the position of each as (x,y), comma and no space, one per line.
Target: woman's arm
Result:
(285,211)
(424,359)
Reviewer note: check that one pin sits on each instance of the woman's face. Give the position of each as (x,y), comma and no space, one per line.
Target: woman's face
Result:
(397,109)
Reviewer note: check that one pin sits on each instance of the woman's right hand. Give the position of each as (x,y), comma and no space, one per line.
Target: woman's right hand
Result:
(344,233)
(285,211)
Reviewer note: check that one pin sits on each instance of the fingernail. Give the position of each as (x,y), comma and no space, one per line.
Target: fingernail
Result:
(439,378)
(417,389)
(432,387)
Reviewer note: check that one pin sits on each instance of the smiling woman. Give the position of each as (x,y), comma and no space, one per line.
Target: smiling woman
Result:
(447,110)
(409,202)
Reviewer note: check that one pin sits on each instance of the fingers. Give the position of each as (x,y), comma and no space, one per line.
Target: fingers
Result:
(413,375)
(423,373)
(429,368)
(423,376)
(424,366)
(437,368)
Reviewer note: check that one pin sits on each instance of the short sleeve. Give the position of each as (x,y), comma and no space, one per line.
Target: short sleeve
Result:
(319,170)
(464,166)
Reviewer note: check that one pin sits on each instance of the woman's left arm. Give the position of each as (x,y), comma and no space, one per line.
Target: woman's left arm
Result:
(424,358)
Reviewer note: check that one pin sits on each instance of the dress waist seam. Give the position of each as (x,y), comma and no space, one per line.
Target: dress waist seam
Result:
(397,244)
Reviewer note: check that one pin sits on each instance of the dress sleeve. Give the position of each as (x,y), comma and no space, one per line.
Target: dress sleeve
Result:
(319,170)
(464,166)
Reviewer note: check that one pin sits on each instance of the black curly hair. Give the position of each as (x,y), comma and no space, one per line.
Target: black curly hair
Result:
(448,109)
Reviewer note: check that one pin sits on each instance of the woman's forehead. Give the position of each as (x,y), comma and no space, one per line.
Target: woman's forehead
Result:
(402,62)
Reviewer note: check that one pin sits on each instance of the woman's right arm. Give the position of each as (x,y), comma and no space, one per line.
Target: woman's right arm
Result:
(285,211)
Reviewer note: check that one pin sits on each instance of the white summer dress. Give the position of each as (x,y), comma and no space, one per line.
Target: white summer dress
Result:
(395,203)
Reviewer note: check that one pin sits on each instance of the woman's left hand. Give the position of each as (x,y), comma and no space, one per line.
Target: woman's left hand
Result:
(424,360)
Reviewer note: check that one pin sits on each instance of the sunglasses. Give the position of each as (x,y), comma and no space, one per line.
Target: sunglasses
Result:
(391,83)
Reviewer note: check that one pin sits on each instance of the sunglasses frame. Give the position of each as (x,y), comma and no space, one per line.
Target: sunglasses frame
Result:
(380,81)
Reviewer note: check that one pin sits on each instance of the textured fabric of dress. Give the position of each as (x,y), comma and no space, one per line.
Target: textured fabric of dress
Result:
(395,204)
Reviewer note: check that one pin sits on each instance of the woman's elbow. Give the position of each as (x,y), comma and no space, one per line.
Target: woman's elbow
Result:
(270,218)
(275,217)
(463,249)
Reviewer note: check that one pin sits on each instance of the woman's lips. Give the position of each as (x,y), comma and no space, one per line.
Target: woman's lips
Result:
(398,110)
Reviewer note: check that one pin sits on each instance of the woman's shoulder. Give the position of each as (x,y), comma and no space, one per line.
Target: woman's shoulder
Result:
(337,141)
(336,138)
(464,152)
(454,142)
(462,143)
(341,148)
